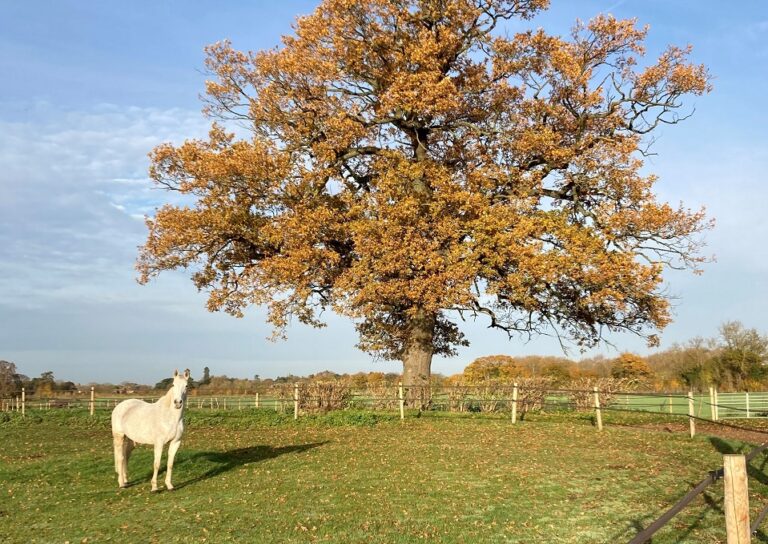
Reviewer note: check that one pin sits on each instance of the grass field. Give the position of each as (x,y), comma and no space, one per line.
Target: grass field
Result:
(258,476)
(730,405)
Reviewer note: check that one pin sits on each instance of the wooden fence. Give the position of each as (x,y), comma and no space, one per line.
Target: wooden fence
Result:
(516,399)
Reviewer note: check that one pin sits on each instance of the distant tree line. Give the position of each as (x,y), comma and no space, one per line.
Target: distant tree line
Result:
(11,382)
(735,360)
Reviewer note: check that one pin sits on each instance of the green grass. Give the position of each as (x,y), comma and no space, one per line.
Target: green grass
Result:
(258,476)
(661,403)
(731,405)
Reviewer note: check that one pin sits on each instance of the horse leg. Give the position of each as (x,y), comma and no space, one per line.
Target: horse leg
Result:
(128,445)
(172,449)
(118,442)
(158,455)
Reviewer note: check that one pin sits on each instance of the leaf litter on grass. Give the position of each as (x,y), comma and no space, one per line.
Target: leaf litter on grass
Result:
(438,479)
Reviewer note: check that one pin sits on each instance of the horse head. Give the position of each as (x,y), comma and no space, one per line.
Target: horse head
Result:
(180,388)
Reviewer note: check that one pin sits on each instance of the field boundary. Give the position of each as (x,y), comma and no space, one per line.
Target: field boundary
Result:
(520,398)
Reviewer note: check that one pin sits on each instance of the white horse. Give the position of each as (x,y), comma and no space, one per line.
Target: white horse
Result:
(137,422)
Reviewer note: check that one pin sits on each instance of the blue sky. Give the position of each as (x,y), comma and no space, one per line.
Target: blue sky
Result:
(89,88)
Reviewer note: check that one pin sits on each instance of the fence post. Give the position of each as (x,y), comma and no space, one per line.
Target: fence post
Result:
(23,402)
(256,401)
(402,400)
(736,499)
(670,404)
(597,410)
(90,405)
(717,408)
(295,401)
(691,421)
(746,398)
(514,403)
(711,403)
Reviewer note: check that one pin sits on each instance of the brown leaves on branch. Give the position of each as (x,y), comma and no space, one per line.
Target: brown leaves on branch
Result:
(405,162)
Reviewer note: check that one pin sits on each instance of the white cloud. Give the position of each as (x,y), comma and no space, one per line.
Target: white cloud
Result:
(74,185)
(74,194)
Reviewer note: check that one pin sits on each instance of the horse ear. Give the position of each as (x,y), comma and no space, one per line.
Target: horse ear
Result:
(186,374)
(175,373)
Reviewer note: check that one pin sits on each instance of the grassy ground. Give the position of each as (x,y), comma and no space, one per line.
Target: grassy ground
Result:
(258,476)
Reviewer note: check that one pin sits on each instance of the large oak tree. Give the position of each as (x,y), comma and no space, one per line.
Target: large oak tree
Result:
(406,164)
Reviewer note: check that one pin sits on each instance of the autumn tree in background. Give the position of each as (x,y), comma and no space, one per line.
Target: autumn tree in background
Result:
(407,163)
(558,372)
(630,365)
(541,365)
(10,380)
(491,368)
(45,385)
(742,357)
(685,366)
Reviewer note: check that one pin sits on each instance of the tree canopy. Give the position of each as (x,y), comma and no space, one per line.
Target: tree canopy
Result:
(405,164)
(10,380)
(630,365)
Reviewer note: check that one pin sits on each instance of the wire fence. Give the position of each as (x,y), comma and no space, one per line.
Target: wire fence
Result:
(314,397)
(527,396)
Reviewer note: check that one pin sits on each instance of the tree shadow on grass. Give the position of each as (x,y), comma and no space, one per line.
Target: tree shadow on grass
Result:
(228,460)
(711,502)
(638,525)
(755,470)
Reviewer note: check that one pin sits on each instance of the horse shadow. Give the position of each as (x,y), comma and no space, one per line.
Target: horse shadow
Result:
(231,459)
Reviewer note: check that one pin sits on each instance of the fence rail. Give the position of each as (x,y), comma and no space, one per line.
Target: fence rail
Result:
(517,399)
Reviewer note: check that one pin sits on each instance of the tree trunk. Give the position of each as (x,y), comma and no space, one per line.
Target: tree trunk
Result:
(417,360)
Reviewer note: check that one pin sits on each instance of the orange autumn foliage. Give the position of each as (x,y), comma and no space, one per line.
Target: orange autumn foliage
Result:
(630,365)
(407,163)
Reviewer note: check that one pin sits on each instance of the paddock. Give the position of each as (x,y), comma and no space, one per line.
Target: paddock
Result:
(258,475)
